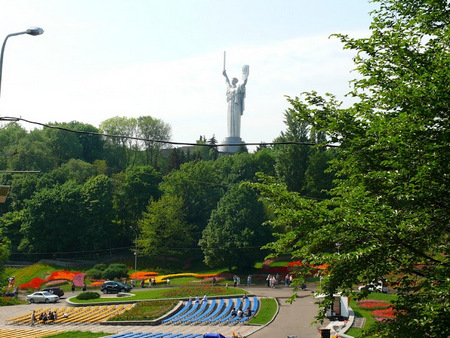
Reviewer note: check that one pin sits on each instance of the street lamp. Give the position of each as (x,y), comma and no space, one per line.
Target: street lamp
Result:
(135,253)
(31,31)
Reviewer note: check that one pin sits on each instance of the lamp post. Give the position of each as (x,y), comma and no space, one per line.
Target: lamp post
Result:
(31,31)
(135,252)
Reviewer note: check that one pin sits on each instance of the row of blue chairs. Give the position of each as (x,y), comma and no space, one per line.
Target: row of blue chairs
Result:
(209,313)
(154,335)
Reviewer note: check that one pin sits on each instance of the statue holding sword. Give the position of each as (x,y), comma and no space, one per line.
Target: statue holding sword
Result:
(235,99)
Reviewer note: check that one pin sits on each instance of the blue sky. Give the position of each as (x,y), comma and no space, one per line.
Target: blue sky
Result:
(103,58)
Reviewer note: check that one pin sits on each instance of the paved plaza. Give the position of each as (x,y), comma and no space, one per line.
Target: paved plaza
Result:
(292,319)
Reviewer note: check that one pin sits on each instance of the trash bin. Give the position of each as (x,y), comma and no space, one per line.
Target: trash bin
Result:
(325,333)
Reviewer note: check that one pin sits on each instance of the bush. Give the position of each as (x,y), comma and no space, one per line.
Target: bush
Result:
(100,266)
(88,295)
(115,271)
(95,273)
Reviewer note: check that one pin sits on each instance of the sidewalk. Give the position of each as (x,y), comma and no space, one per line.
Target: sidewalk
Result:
(292,319)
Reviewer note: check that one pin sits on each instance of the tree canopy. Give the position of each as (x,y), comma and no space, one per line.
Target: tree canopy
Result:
(388,217)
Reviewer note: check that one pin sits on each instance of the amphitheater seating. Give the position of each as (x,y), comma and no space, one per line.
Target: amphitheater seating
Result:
(28,333)
(154,335)
(216,311)
(195,314)
(254,310)
(192,309)
(83,314)
(183,310)
(208,310)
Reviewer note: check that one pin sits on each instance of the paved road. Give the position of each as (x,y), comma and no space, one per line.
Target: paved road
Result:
(292,319)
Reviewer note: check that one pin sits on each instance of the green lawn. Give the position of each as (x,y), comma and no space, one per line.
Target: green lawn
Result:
(267,311)
(172,292)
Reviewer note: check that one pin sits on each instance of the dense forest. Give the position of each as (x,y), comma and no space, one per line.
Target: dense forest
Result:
(94,195)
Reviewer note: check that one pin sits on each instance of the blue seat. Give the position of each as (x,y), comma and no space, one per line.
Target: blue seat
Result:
(184,315)
(254,309)
(209,309)
(184,309)
(224,312)
(223,320)
(195,314)
(123,335)
(216,311)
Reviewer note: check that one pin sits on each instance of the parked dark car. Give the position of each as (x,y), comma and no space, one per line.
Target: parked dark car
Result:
(112,287)
(56,291)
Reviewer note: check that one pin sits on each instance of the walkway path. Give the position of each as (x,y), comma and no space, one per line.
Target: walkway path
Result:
(292,319)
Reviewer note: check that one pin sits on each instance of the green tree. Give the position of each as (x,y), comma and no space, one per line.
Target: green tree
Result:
(389,212)
(100,231)
(234,234)
(163,228)
(53,220)
(156,130)
(121,149)
(200,188)
(139,185)
(292,160)
(92,145)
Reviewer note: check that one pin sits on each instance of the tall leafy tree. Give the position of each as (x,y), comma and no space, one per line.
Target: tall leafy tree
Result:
(137,187)
(100,231)
(292,160)
(163,228)
(153,129)
(234,234)
(389,212)
(200,188)
(53,220)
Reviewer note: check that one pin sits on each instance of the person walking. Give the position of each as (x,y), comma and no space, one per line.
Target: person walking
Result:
(33,318)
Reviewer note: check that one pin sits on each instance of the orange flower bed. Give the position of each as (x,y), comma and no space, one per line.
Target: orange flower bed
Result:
(143,274)
(206,275)
(35,283)
(63,274)
(96,283)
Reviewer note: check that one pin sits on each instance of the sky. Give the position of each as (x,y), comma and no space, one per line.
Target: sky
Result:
(99,59)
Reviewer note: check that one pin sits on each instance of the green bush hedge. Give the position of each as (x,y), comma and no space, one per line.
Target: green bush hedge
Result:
(88,295)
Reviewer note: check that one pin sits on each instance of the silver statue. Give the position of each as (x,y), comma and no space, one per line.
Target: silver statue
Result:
(235,99)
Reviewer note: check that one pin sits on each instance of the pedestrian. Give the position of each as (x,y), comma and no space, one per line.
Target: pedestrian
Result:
(73,287)
(168,282)
(33,318)
(249,280)
(269,280)
(84,287)
(214,281)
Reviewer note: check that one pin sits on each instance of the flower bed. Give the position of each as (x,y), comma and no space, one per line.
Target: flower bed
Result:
(57,276)
(143,274)
(35,283)
(373,304)
(56,282)
(78,279)
(385,313)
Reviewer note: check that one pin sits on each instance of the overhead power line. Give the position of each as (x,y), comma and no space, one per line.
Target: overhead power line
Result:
(17,119)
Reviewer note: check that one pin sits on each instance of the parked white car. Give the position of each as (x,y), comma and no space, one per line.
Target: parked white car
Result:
(373,287)
(42,297)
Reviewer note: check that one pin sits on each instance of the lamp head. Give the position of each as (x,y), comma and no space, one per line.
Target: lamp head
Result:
(35,31)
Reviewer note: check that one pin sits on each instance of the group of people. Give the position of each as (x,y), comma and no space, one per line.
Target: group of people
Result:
(273,280)
(240,314)
(151,281)
(44,317)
